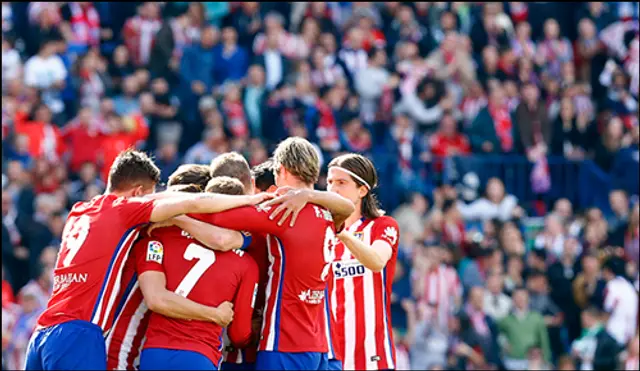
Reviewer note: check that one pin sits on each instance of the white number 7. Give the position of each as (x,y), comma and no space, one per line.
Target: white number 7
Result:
(205,257)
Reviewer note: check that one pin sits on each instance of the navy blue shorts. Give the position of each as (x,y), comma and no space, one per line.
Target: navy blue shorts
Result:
(245,366)
(335,365)
(73,345)
(292,361)
(173,359)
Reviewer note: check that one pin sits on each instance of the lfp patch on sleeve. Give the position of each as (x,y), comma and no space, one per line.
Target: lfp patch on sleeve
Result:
(155,252)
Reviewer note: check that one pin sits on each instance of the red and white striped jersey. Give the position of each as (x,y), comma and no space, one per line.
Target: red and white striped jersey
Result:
(360,300)
(124,342)
(441,290)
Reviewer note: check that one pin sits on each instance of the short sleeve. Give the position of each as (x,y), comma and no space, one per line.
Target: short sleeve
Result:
(386,229)
(148,255)
(134,211)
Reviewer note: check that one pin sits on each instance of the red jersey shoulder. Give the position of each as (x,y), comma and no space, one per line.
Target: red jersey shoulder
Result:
(386,228)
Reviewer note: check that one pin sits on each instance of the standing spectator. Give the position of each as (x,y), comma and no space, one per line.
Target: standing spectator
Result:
(289,45)
(370,83)
(609,145)
(541,302)
(205,151)
(273,61)
(632,361)
(11,63)
(497,304)
(485,327)
(140,31)
(523,330)
(411,218)
(121,133)
(571,135)
(560,277)
(167,159)
(532,123)
(46,71)
(253,98)
(553,237)
(485,261)
(588,46)
(620,302)
(495,204)
(44,138)
(234,112)
(554,50)
(168,45)
(196,71)
(230,61)
(40,287)
(492,129)
(82,21)
(447,141)
(596,349)
(24,324)
(82,137)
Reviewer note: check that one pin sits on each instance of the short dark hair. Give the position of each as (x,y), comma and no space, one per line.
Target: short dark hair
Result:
(130,168)
(615,265)
(225,185)
(199,175)
(234,165)
(190,188)
(263,175)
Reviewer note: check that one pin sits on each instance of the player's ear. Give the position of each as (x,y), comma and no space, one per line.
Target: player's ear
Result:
(272,189)
(138,191)
(362,191)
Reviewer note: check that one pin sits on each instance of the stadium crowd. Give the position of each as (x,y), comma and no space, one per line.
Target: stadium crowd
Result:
(407,84)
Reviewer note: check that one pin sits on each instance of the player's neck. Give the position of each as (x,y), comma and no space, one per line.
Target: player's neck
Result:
(353,218)
(298,185)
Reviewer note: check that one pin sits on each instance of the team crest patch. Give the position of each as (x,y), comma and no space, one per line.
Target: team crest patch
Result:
(359,235)
(155,252)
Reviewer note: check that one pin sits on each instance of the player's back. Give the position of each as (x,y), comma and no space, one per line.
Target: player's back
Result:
(95,246)
(299,266)
(206,277)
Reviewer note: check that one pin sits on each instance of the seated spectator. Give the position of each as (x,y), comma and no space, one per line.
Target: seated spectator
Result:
(411,218)
(120,68)
(532,123)
(484,327)
(88,176)
(625,165)
(206,150)
(608,147)
(485,260)
(523,329)
(82,136)
(571,135)
(553,50)
(46,71)
(45,140)
(453,230)
(447,141)
(140,31)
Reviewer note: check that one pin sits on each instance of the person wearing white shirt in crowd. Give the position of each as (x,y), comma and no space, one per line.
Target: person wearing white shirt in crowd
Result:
(620,302)
(497,304)
(11,64)
(495,204)
(46,71)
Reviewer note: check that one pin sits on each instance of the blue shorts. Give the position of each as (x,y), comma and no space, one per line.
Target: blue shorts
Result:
(292,361)
(73,345)
(173,359)
(335,365)
(245,366)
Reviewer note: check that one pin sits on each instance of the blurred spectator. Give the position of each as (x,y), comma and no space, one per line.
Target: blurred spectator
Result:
(523,330)
(447,141)
(497,304)
(82,136)
(620,302)
(88,176)
(411,218)
(47,72)
(561,275)
(492,129)
(572,135)
(495,204)
(596,349)
(611,142)
(485,328)
(230,60)
(532,123)
(140,31)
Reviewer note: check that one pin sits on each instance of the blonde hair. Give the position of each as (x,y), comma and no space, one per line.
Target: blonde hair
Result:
(300,159)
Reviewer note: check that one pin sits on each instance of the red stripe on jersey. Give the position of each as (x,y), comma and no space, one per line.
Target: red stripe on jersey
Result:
(360,354)
(379,321)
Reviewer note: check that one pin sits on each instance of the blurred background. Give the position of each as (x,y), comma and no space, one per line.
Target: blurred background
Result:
(505,136)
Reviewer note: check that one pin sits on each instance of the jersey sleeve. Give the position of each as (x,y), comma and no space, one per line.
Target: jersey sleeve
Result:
(148,255)
(243,304)
(386,229)
(134,211)
(247,218)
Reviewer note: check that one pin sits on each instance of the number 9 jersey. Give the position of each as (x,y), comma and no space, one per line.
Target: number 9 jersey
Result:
(95,246)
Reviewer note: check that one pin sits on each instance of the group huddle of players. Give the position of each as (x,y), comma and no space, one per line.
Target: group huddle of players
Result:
(300,279)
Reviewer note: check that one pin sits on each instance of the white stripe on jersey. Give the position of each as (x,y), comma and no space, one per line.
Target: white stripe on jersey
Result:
(327,330)
(387,338)
(130,335)
(272,326)
(118,268)
(368,291)
(349,312)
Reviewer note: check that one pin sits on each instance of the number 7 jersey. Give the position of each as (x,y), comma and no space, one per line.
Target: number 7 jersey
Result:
(96,241)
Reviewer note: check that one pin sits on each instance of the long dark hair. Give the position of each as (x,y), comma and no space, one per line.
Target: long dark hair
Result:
(362,167)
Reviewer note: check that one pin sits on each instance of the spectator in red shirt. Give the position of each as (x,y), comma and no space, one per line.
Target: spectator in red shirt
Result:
(7,292)
(447,141)
(82,138)
(44,138)
(125,132)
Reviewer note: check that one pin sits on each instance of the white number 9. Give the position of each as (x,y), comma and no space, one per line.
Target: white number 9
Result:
(74,235)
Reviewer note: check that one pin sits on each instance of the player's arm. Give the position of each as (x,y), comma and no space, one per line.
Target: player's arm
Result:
(182,202)
(295,200)
(254,219)
(376,255)
(160,300)
(216,238)
(240,331)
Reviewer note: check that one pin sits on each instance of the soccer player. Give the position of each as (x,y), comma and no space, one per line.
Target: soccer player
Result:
(95,246)
(125,339)
(360,292)
(207,277)
(293,332)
